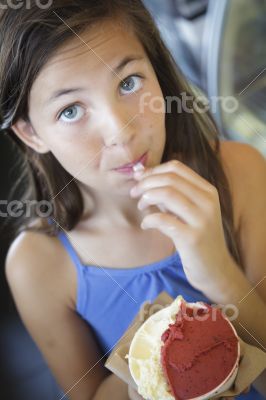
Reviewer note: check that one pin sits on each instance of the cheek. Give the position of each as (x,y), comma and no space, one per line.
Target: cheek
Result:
(75,150)
(153,119)
(154,128)
(77,157)
(152,104)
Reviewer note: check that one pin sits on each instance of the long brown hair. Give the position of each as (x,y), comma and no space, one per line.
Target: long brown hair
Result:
(23,54)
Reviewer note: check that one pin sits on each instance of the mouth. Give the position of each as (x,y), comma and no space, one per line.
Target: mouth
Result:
(129,167)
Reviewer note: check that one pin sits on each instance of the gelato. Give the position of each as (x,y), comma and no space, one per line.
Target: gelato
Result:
(184,351)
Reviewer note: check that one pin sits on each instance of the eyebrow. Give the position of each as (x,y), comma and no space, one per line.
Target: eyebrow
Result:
(125,61)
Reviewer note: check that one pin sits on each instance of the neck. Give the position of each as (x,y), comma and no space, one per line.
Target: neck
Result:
(110,211)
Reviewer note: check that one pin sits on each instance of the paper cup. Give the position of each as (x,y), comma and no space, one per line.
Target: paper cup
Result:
(146,342)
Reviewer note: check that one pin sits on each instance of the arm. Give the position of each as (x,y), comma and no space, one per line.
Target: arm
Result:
(64,339)
(247,286)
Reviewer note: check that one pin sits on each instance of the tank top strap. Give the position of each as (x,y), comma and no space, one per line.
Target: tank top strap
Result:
(70,249)
(81,293)
(62,236)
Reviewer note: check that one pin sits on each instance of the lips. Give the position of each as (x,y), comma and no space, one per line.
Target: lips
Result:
(131,165)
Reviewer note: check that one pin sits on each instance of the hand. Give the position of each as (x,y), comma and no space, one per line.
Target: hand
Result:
(133,394)
(233,398)
(192,219)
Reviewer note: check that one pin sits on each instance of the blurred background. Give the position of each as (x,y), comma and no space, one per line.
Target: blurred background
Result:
(220,47)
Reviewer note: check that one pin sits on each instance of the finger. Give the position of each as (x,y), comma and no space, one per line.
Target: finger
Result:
(227,398)
(174,202)
(246,390)
(180,169)
(169,225)
(196,195)
(133,394)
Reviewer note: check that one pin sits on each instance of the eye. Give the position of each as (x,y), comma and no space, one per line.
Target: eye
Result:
(131,84)
(72,114)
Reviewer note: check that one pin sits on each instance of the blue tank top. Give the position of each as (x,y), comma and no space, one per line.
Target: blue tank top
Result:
(108,299)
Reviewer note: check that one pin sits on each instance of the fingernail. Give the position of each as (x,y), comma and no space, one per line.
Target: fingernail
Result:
(138,167)
(138,174)
(143,225)
(142,204)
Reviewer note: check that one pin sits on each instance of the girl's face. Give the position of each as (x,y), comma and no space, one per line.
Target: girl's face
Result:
(88,118)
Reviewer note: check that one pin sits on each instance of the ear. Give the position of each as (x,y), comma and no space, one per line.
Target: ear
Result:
(24,130)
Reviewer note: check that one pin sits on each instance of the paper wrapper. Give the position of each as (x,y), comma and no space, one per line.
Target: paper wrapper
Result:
(252,359)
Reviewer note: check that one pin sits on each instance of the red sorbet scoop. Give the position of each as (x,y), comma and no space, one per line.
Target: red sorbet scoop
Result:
(200,350)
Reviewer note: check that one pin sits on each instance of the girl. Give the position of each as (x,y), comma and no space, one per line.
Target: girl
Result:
(82,89)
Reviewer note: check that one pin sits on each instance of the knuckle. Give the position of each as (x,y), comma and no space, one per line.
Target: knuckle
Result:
(213,191)
(175,164)
(171,178)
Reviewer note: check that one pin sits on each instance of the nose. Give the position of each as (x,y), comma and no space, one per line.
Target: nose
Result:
(119,127)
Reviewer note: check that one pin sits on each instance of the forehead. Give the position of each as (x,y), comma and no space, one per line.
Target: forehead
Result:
(91,53)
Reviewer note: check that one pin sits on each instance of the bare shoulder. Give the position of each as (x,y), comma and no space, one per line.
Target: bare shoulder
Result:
(246,169)
(37,259)
(241,155)
(37,281)
(240,161)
